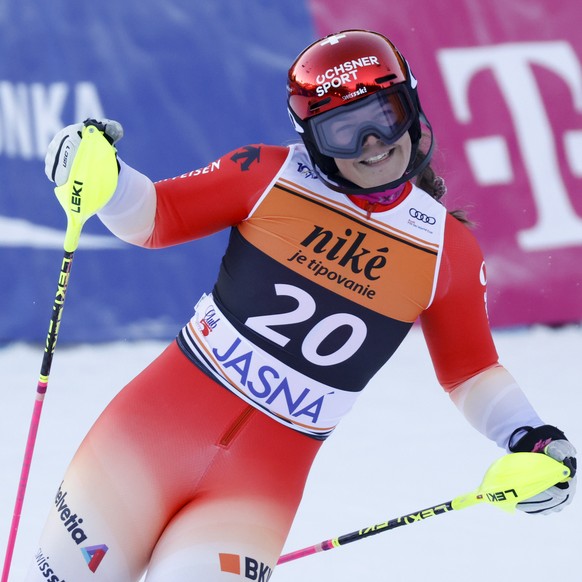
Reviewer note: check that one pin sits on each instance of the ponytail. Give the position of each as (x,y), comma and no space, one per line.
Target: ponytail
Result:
(435,186)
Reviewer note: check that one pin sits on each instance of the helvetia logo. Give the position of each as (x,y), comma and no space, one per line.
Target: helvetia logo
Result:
(249,568)
(93,555)
(71,521)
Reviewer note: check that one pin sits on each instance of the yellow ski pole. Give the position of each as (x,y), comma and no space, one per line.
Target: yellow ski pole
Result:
(91,183)
(509,480)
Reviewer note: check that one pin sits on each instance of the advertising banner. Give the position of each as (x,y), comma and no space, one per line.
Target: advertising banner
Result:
(189,82)
(500,82)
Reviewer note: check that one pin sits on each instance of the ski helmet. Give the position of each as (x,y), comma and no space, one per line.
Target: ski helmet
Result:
(349,71)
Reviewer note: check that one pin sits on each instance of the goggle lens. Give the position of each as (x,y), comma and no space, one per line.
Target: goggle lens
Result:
(341,132)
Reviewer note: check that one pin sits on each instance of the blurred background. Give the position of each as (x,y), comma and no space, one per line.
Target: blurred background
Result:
(501,82)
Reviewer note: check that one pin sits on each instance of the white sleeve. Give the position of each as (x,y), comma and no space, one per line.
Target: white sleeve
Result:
(130,213)
(495,405)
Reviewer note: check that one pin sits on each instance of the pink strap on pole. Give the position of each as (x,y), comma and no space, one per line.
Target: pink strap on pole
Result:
(321,547)
(34,424)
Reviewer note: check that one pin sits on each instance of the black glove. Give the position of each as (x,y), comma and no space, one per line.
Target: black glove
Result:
(550,441)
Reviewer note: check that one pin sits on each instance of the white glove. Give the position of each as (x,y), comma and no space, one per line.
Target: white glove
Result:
(550,441)
(64,145)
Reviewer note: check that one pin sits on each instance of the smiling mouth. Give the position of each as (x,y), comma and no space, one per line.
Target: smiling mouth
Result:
(377,159)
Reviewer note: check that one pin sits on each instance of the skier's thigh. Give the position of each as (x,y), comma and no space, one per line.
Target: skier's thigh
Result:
(212,540)
(103,524)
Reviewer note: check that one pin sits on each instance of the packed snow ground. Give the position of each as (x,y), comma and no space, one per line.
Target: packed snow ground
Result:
(404,447)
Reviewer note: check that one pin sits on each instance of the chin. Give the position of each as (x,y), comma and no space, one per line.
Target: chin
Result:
(377,181)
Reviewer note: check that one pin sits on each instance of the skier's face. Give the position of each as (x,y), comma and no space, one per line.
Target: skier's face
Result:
(379,163)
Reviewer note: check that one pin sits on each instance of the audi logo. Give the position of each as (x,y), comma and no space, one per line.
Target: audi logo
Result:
(421,216)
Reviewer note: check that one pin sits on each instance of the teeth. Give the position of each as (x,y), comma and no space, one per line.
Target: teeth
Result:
(378,158)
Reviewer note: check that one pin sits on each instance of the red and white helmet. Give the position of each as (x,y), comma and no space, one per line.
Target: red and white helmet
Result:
(354,69)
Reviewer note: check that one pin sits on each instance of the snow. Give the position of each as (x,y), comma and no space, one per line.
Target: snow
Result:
(403,448)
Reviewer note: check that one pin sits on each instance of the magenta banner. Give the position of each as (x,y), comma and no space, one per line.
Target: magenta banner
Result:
(501,83)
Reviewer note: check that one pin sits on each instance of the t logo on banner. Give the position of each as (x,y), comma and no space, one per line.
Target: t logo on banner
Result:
(558,225)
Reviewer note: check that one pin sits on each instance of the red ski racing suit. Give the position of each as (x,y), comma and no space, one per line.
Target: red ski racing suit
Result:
(195,470)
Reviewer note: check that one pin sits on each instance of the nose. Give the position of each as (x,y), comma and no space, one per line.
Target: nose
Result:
(371,139)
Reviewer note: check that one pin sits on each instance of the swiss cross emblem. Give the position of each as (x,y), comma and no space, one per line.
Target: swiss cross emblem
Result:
(333,39)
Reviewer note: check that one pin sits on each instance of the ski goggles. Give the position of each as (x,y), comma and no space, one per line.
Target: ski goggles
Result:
(341,132)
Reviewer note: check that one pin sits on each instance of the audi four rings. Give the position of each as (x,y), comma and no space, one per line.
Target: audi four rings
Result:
(421,216)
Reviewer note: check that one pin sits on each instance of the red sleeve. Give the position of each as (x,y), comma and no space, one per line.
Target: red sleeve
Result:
(213,198)
(456,326)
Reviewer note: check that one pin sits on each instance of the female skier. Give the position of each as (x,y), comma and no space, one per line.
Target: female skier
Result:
(337,246)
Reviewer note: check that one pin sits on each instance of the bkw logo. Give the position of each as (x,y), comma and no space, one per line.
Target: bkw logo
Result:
(250,568)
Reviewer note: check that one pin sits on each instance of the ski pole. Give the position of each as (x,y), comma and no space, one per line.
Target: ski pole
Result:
(91,183)
(508,481)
